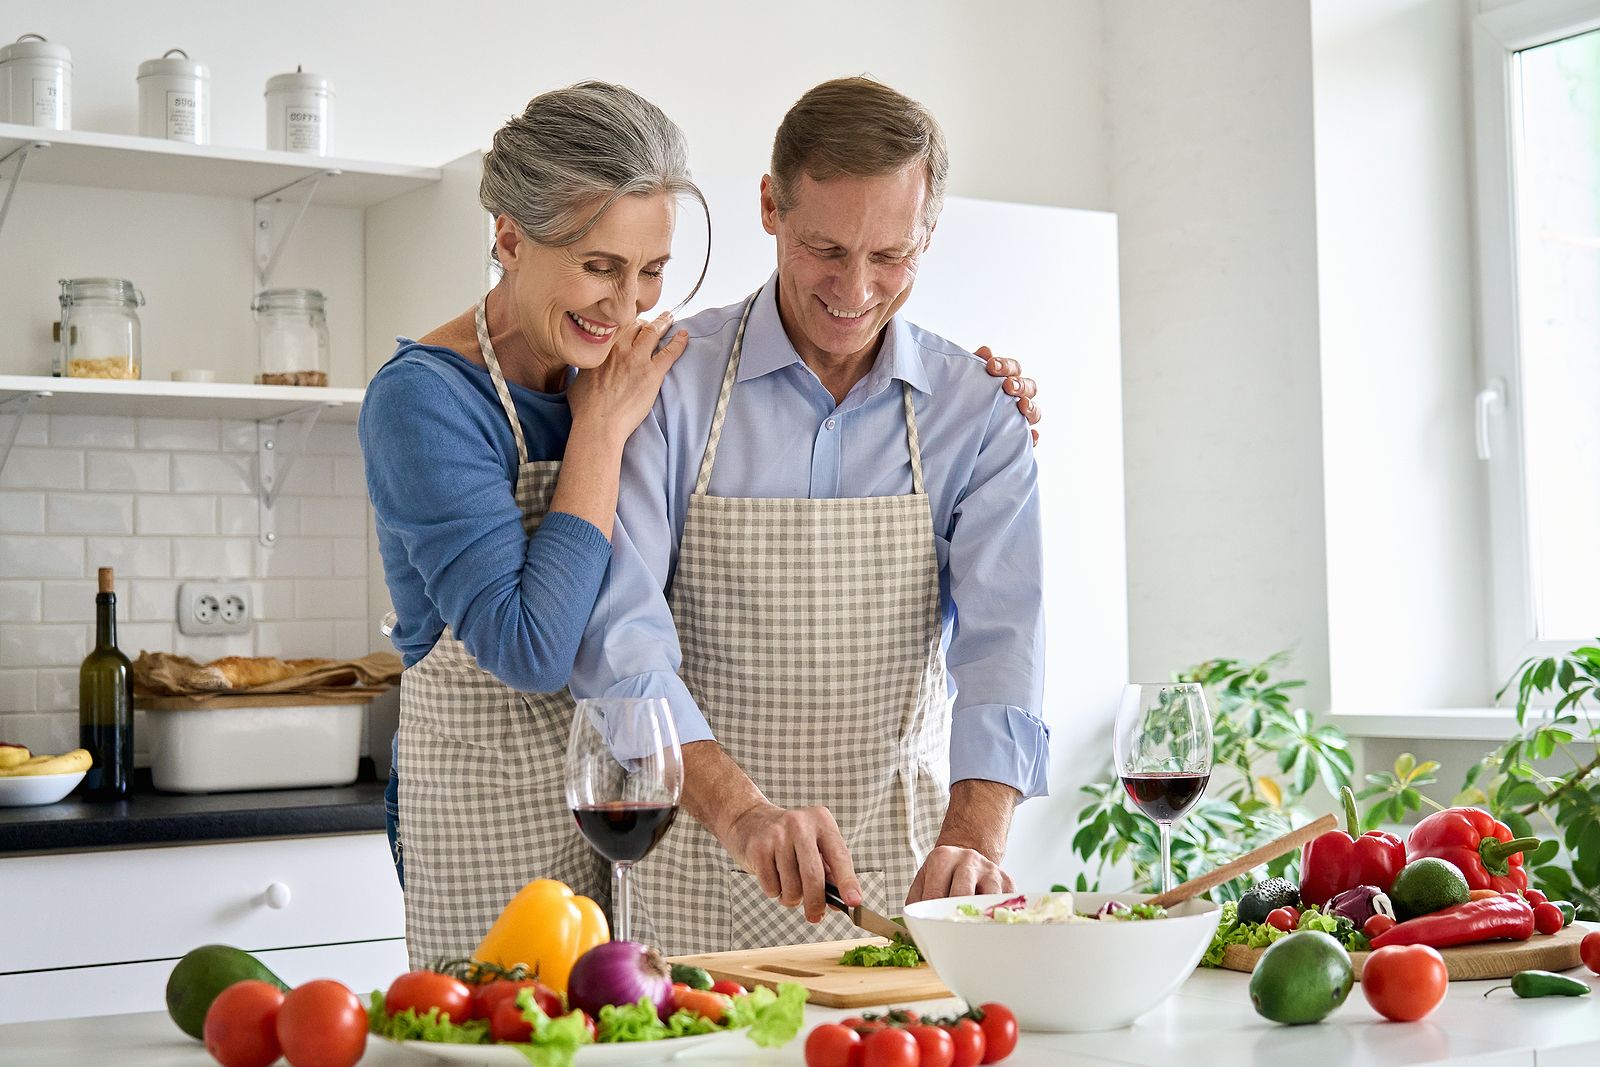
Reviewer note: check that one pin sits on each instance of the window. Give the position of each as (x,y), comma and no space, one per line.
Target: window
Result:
(1537,74)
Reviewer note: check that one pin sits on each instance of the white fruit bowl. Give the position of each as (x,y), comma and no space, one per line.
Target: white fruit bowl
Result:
(27,790)
(1064,976)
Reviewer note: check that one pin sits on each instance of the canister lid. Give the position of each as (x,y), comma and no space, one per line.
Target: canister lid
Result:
(289,300)
(32,46)
(299,80)
(113,290)
(183,67)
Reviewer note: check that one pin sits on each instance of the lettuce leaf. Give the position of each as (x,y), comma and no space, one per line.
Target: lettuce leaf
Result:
(631,1022)
(554,1042)
(773,1018)
(409,1026)
(1260,935)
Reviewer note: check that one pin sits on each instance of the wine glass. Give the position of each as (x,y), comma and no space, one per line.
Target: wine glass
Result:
(1162,747)
(624,777)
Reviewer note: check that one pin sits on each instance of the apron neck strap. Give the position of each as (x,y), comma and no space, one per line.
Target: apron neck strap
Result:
(702,481)
(481,319)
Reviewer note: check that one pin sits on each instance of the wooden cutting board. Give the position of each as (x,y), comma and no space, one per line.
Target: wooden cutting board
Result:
(817,967)
(1469,963)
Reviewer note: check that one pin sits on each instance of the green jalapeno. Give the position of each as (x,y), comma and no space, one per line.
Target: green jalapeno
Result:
(1529,984)
(1569,911)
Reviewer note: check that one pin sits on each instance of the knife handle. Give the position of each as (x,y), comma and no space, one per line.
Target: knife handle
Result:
(830,895)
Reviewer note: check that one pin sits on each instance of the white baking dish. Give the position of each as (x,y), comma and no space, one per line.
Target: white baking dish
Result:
(218,750)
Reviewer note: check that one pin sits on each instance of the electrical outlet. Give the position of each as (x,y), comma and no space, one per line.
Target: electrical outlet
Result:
(209,608)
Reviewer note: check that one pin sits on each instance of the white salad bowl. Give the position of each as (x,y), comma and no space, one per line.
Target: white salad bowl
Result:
(25,791)
(1070,976)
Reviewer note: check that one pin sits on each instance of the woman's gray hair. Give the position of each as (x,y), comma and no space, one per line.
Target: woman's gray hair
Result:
(572,146)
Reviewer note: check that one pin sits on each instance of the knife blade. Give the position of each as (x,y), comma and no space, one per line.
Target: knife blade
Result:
(865,918)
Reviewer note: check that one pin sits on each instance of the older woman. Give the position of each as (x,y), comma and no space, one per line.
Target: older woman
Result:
(493,473)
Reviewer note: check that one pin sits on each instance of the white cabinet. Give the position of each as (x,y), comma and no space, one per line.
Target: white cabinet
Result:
(98,932)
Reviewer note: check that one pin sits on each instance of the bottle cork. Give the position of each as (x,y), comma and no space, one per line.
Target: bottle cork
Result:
(107,580)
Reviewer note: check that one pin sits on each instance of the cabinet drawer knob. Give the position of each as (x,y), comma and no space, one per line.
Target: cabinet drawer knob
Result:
(277,895)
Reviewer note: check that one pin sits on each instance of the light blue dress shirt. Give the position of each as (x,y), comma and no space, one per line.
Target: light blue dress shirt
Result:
(785,437)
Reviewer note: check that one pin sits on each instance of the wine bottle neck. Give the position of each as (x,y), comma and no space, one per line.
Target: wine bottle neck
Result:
(105,620)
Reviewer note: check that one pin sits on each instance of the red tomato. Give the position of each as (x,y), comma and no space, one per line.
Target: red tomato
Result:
(833,1045)
(241,1025)
(728,988)
(999,1032)
(488,996)
(1404,982)
(423,991)
(507,1023)
(1282,919)
(1589,950)
(1534,897)
(322,1024)
(588,1022)
(1377,924)
(869,1026)
(890,1048)
(1547,918)
(935,1046)
(970,1044)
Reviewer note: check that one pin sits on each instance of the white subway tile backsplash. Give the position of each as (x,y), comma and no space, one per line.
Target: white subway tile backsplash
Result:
(349,477)
(22,512)
(349,557)
(174,514)
(133,557)
(337,439)
(352,640)
(134,472)
(91,431)
(43,468)
(42,645)
(238,516)
(286,516)
(191,435)
(213,557)
(20,602)
(153,601)
(294,640)
(90,513)
(137,637)
(41,557)
(299,557)
(205,648)
(58,690)
(54,732)
(212,472)
(274,599)
(74,601)
(35,430)
(333,516)
(238,436)
(18,691)
(310,475)
(330,598)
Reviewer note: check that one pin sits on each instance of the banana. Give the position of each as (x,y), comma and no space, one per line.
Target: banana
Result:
(12,755)
(66,763)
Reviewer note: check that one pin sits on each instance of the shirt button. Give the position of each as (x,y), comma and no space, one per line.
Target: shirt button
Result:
(831,423)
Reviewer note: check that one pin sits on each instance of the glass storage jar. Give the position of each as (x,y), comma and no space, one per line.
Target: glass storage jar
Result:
(292,334)
(99,328)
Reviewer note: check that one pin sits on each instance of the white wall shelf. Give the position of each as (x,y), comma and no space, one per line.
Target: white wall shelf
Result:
(178,400)
(117,161)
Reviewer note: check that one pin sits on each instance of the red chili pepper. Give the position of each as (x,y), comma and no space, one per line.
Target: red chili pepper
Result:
(1337,860)
(1490,919)
(1474,841)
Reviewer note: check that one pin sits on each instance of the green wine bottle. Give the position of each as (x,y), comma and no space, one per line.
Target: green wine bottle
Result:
(105,703)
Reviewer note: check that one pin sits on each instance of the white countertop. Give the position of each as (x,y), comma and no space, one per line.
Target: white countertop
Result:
(1208,1022)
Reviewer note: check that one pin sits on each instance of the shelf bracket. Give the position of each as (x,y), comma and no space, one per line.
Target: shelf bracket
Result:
(12,409)
(277,447)
(276,216)
(20,154)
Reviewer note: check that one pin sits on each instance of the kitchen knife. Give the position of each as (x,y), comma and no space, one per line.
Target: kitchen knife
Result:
(865,918)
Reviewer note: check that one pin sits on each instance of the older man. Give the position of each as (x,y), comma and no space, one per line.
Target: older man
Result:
(828,507)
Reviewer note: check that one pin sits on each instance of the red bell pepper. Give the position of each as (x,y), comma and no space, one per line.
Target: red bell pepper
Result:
(1502,918)
(1337,861)
(1474,841)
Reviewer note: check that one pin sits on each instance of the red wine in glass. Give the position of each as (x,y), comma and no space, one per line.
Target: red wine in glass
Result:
(624,831)
(1165,796)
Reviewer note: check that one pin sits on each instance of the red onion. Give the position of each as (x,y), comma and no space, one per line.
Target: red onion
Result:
(619,973)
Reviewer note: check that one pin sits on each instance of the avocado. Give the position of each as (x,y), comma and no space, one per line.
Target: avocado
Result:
(1301,978)
(1427,885)
(204,973)
(1266,897)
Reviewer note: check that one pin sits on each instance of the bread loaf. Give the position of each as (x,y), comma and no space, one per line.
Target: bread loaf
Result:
(246,672)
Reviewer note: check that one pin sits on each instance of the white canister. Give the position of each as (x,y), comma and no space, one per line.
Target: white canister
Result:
(175,98)
(37,83)
(300,113)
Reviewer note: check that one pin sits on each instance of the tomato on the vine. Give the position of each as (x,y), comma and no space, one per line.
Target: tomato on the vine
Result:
(425,991)
(934,1045)
(892,1047)
(999,1027)
(487,997)
(833,1045)
(1404,982)
(322,1024)
(728,988)
(1285,919)
(970,1044)
(507,1024)
(241,1024)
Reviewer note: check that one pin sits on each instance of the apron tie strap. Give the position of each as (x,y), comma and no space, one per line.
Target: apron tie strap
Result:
(702,481)
(481,320)
(912,441)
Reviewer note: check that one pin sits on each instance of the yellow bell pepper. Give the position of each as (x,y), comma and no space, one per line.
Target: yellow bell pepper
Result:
(545,927)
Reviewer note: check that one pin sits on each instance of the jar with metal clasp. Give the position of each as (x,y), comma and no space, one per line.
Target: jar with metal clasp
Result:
(292,335)
(99,329)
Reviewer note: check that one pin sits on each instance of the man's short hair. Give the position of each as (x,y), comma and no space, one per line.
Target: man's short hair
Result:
(862,128)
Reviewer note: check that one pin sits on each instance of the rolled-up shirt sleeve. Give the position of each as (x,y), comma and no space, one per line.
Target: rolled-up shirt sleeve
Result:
(996,651)
(630,648)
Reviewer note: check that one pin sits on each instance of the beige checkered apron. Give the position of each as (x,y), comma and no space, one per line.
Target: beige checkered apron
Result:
(482,805)
(810,636)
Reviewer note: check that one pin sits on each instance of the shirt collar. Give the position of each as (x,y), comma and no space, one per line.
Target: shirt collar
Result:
(767,347)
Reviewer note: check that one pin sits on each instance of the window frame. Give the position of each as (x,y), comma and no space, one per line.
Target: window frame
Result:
(1497,36)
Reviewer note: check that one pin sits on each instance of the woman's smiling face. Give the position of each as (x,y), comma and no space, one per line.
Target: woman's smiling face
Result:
(570,301)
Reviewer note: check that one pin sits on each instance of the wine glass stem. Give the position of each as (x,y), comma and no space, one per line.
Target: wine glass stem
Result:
(622,901)
(1166,855)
